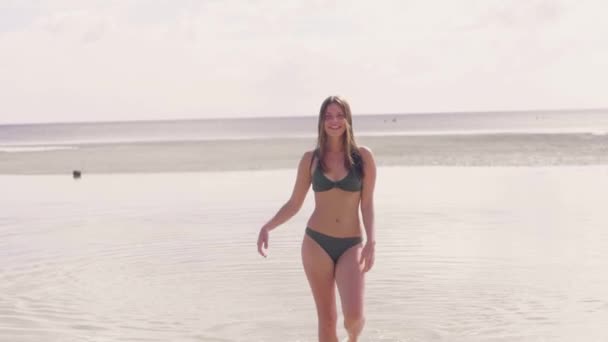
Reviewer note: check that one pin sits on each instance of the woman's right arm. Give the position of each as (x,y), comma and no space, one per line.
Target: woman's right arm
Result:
(293,205)
(300,189)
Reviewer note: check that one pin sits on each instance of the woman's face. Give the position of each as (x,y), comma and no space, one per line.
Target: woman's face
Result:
(335,120)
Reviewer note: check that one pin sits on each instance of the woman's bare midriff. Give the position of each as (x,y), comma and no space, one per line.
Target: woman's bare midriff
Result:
(336,213)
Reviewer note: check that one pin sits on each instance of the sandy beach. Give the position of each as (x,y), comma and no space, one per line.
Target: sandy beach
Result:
(258,154)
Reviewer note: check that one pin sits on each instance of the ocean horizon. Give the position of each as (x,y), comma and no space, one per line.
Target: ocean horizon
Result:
(474,139)
(247,128)
(489,229)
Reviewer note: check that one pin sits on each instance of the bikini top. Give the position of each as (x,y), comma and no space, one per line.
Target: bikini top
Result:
(351,182)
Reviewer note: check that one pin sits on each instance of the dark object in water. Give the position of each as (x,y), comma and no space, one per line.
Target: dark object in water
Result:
(76,174)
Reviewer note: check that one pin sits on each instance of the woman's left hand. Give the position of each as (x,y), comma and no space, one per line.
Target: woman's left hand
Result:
(367,256)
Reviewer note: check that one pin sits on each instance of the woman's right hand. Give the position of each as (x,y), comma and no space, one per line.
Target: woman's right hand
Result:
(263,242)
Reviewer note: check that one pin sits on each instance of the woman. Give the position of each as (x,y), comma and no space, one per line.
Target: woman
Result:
(333,253)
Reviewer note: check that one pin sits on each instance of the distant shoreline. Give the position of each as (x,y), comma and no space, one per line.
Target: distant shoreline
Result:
(314,115)
(510,149)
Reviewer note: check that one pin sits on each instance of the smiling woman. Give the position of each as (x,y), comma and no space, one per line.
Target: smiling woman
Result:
(334,252)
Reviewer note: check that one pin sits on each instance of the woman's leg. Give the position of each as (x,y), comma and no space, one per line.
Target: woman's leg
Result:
(350,280)
(319,270)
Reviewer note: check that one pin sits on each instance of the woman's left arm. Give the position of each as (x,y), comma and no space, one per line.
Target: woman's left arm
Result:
(367,207)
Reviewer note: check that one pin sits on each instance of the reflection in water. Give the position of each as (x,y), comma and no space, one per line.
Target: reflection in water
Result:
(464,254)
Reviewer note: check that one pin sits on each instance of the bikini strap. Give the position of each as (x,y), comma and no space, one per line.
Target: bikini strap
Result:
(312,159)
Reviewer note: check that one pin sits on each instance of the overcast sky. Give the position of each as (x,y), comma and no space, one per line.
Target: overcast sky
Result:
(88,60)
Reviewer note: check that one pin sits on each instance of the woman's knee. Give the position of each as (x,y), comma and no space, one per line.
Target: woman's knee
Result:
(327,328)
(354,322)
(328,321)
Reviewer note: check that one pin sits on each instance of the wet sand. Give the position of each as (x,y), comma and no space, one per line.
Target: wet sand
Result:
(258,154)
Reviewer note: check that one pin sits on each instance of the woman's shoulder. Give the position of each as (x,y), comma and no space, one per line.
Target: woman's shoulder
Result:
(365,152)
(308,156)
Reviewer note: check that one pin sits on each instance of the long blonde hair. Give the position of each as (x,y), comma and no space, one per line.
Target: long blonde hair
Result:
(352,157)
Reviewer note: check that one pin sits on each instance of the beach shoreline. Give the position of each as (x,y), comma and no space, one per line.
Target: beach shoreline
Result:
(505,149)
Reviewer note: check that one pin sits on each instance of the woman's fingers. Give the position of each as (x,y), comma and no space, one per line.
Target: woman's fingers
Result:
(260,250)
(369,262)
(367,259)
(363,257)
(262,243)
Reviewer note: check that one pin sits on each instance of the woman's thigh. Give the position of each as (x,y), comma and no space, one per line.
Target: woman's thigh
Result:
(350,280)
(319,270)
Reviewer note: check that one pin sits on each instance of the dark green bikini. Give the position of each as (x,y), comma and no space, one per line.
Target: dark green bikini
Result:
(352,182)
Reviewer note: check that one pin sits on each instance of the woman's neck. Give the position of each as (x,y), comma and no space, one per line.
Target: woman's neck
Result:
(334,144)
